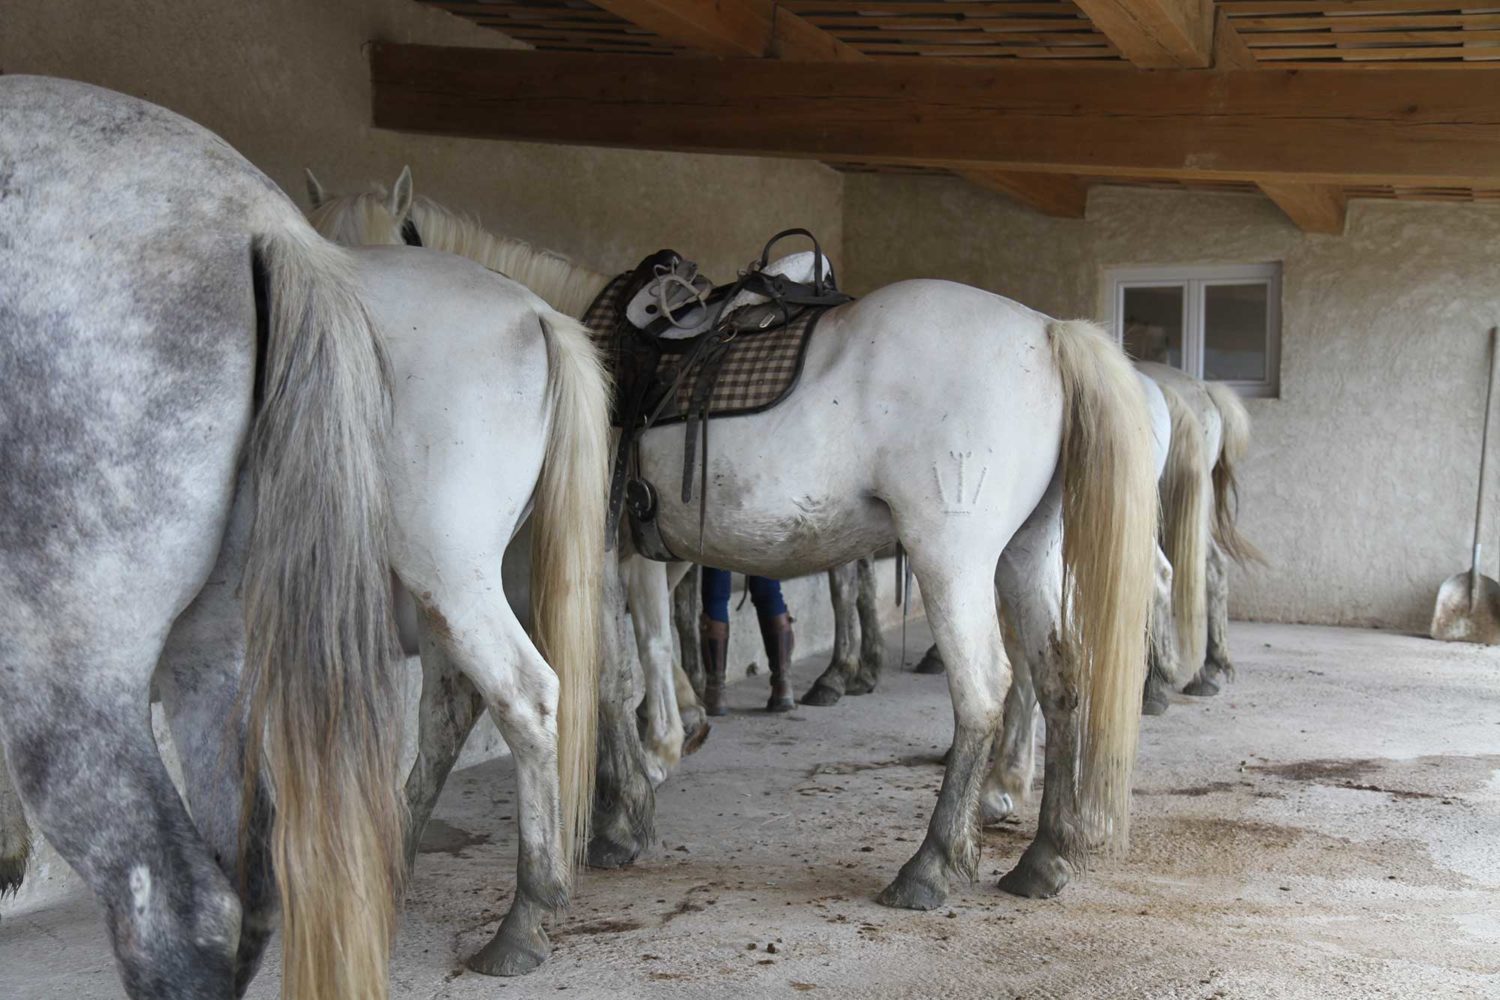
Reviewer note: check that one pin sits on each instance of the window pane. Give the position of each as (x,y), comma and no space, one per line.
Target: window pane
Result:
(1234,332)
(1153,324)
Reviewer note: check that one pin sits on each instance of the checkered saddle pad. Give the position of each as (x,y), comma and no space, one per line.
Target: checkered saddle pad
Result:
(759,368)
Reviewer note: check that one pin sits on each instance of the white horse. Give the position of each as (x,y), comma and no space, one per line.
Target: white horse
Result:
(1209,434)
(223,437)
(1001,448)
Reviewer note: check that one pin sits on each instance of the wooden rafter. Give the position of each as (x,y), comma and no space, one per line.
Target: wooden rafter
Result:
(1156,34)
(1424,127)
(1051,194)
(1315,208)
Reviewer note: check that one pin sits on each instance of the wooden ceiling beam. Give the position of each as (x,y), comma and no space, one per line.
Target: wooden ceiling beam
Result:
(1315,208)
(1156,34)
(1050,194)
(737,27)
(733,28)
(1422,127)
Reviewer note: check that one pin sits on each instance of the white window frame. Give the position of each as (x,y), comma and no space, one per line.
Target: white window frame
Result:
(1195,280)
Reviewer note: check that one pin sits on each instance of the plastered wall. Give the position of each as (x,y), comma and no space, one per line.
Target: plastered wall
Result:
(1361,479)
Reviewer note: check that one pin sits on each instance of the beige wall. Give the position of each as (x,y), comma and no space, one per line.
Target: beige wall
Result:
(1360,482)
(285,81)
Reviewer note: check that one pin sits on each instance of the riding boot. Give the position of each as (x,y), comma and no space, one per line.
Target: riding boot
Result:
(776,633)
(713,641)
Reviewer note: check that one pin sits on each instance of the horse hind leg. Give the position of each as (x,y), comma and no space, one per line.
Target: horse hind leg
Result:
(15,835)
(871,638)
(1030,582)
(958,591)
(482,638)
(199,680)
(832,684)
(84,760)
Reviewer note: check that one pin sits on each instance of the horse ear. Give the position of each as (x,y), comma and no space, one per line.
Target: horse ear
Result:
(400,200)
(314,189)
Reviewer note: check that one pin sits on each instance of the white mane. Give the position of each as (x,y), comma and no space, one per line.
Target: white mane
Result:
(567,286)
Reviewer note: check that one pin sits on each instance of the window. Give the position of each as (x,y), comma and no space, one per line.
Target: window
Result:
(1222,324)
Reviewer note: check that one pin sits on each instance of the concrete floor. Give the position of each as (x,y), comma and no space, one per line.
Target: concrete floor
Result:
(1327,828)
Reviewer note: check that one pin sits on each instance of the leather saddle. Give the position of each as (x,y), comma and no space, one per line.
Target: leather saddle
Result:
(674,334)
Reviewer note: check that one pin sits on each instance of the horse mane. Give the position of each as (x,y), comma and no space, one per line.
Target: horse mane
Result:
(363,219)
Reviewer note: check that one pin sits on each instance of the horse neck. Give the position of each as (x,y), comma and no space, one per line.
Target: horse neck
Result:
(567,286)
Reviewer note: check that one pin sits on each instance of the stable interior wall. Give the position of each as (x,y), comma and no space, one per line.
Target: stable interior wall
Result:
(1361,478)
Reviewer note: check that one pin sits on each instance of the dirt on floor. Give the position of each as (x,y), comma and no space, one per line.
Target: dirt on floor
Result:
(1325,828)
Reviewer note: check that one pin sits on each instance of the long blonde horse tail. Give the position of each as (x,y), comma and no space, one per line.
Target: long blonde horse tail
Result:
(1236,422)
(567,558)
(321,678)
(1186,498)
(1109,562)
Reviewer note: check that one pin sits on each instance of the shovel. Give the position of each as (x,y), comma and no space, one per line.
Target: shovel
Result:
(1468,604)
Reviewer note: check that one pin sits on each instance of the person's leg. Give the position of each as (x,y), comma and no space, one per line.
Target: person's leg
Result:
(713,637)
(776,634)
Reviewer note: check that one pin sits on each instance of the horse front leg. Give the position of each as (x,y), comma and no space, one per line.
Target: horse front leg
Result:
(624,803)
(449,709)
(1163,661)
(871,638)
(1217,667)
(1009,783)
(833,682)
(649,597)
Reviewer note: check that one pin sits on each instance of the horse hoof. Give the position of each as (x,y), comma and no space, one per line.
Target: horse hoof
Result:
(607,853)
(861,684)
(1037,876)
(1155,705)
(910,893)
(996,808)
(1201,687)
(932,663)
(821,696)
(695,739)
(780,705)
(512,953)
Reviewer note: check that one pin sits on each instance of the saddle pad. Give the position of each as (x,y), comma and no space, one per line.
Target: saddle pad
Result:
(760,369)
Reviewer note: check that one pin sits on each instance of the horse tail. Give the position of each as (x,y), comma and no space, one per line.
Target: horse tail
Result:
(1186,491)
(1109,561)
(15,835)
(321,678)
(1236,420)
(567,558)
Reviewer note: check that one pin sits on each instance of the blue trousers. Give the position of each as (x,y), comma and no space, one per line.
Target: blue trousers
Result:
(765,593)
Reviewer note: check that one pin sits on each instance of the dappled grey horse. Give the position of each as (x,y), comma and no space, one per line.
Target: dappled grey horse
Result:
(202,469)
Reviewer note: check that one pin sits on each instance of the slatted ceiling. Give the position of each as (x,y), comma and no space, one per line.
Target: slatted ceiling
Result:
(960,29)
(1367,33)
(560,25)
(1459,195)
